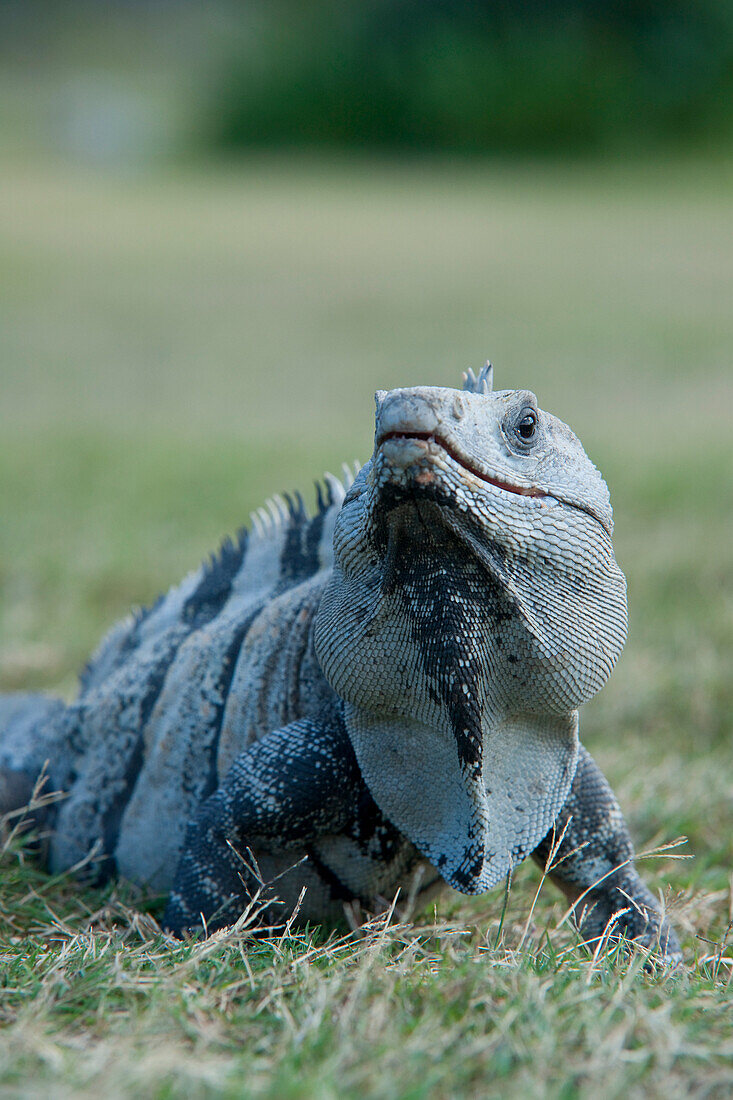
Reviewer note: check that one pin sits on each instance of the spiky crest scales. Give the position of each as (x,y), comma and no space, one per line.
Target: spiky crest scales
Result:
(483,384)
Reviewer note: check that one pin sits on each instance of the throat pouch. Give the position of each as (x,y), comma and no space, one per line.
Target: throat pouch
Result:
(473,822)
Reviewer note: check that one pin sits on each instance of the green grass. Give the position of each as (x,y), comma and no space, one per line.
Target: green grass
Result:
(175,348)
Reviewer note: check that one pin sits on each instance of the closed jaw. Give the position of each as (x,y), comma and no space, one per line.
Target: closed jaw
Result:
(421,442)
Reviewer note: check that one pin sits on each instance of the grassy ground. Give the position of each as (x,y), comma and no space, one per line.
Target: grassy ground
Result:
(174,349)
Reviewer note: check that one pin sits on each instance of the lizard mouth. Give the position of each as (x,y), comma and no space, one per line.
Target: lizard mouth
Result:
(460,460)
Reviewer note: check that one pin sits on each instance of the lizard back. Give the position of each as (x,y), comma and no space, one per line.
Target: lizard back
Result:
(177,690)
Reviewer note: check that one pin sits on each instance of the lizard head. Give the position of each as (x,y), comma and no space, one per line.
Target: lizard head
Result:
(475,603)
(494,456)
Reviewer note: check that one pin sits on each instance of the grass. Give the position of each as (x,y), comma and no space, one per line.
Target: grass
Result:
(178,347)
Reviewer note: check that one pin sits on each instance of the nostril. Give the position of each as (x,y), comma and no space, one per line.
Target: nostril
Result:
(458,407)
(407,411)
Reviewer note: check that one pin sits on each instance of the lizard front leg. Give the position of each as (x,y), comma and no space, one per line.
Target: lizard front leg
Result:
(292,786)
(593,866)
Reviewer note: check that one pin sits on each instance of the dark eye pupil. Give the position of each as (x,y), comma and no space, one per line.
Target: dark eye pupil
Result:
(526,426)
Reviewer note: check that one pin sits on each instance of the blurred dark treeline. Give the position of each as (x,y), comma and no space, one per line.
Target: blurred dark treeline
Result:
(466,76)
(477,76)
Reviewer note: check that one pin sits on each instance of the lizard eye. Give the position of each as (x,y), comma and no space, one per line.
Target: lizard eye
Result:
(526,425)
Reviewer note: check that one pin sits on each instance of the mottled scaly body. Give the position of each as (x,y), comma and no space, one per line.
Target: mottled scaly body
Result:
(380,698)
(176,693)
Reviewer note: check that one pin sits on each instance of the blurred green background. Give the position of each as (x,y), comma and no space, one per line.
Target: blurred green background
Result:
(223,227)
(469,76)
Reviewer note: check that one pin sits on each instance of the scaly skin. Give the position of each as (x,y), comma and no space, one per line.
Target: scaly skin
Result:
(382,697)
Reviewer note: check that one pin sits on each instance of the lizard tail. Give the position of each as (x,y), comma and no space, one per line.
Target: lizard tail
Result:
(28,724)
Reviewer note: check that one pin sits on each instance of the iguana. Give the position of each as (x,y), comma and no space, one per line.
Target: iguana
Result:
(381,697)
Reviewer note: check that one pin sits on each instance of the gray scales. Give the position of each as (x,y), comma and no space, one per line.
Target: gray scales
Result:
(382,697)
